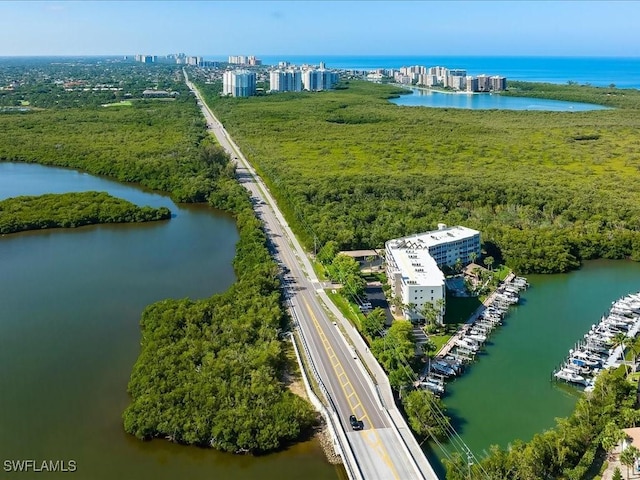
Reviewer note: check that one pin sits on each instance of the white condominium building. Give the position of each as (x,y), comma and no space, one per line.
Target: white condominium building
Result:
(239,83)
(315,80)
(285,81)
(414,263)
(498,83)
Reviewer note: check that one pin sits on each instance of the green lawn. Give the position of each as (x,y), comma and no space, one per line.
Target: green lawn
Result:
(439,341)
(123,103)
(349,310)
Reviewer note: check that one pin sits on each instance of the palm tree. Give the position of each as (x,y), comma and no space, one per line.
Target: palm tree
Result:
(458,265)
(369,259)
(617,475)
(612,435)
(620,340)
(397,303)
(473,256)
(630,416)
(430,314)
(634,346)
(488,261)
(628,457)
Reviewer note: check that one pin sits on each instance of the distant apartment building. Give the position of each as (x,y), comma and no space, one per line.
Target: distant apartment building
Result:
(457,73)
(316,80)
(404,79)
(498,83)
(440,73)
(427,80)
(472,84)
(375,77)
(454,79)
(194,61)
(250,60)
(285,81)
(239,83)
(484,83)
(456,82)
(237,59)
(414,265)
(415,70)
(145,58)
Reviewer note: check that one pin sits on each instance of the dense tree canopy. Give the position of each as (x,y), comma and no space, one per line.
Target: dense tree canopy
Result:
(567,451)
(156,144)
(70,210)
(546,189)
(209,372)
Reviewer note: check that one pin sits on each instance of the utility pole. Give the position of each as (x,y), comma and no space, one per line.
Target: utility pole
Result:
(469,462)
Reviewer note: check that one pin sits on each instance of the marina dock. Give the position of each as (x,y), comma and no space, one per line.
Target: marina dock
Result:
(463,346)
(603,346)
(450,345)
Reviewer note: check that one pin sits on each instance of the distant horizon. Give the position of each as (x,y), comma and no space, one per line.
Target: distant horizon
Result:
(341,55)
(578,28)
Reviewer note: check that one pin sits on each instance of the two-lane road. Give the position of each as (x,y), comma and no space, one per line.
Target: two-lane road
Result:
(378,449)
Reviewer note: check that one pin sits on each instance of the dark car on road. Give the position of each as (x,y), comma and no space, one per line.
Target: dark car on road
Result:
(355,423)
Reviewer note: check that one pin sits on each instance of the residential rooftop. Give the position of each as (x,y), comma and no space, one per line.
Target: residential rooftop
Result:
(432,238)
(418,267)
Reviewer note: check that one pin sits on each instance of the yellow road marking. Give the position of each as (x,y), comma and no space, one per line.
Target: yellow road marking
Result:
(375,443)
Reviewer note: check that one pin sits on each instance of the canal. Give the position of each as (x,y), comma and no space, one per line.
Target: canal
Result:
(508,393)
(70,305)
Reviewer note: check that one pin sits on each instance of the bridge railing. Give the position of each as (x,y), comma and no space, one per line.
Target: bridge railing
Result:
(333,422)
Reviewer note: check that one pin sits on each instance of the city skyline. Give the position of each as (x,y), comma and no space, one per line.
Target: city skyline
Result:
(207,28)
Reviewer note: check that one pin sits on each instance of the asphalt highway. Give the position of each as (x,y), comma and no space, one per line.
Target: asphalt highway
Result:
(377,448)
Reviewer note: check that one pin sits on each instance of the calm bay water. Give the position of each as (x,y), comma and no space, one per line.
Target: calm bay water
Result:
(508,394)
(486,101)
(70,305)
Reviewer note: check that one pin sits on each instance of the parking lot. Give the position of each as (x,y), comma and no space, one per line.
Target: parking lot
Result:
(375,295)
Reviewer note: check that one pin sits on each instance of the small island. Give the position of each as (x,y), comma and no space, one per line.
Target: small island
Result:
(70,210)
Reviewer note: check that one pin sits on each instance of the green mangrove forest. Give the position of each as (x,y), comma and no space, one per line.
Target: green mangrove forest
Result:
(210,372)
(70,210)
(546,189)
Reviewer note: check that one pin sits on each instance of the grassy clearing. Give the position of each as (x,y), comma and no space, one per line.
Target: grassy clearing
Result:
(123,103)
(439,341)
(348,309)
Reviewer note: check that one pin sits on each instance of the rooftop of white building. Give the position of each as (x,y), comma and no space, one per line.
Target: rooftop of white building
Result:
(425,240)
(418,267)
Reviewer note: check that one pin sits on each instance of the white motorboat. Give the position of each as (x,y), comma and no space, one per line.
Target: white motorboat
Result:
(569,376)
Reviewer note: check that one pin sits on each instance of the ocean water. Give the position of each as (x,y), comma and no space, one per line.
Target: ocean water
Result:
(624,72)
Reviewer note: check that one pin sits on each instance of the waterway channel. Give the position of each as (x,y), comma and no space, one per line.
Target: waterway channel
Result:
(70,305)
(421,97)
(508,393)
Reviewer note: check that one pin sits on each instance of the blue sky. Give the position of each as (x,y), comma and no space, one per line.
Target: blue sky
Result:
(556,28)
